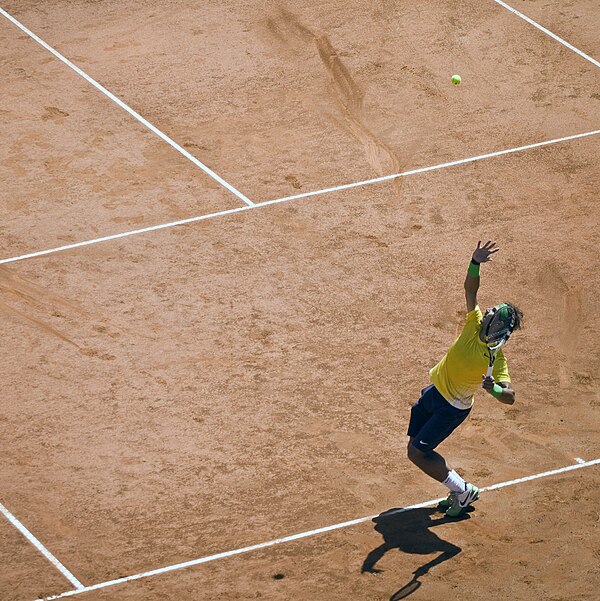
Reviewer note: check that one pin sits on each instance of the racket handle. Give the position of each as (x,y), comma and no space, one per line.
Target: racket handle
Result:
(489,371)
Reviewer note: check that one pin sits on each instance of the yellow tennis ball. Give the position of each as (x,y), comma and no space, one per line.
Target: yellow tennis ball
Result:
(455,79)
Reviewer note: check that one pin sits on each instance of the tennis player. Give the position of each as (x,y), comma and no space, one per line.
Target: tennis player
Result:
(447,402)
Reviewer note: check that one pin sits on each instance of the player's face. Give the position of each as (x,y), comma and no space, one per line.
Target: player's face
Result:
(487,317)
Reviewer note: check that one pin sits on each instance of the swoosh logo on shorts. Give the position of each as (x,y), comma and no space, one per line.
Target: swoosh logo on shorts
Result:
(422,442)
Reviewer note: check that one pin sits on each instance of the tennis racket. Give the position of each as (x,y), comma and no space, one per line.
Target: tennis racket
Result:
(498,331)
(492,350)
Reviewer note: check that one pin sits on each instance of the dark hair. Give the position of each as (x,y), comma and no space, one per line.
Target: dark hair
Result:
(518,316)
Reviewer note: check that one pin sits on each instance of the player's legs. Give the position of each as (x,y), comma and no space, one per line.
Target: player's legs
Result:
(432,420)
(431,462)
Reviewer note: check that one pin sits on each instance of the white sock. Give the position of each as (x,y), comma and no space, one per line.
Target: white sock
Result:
(455,483)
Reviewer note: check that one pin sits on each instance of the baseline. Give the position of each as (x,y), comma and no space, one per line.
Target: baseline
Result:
(38,545)
(293,537)
(548,32)
(127,108)
(295,197)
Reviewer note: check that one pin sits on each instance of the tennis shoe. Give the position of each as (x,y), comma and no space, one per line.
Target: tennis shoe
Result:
(461,501)
(447,502)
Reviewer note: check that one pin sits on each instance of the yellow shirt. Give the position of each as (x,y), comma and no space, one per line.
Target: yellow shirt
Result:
(458,375)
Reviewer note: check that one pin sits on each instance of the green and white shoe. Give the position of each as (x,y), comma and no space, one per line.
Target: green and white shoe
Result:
(447,502)
(461,501)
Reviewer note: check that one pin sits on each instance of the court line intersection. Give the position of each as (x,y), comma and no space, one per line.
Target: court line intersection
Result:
(38,545)
(127,108)
(295,197)
(79,587)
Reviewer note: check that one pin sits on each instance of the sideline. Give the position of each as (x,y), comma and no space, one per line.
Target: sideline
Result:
(124,106)
(293,537)
(548,32)
(295,197)
(38,545)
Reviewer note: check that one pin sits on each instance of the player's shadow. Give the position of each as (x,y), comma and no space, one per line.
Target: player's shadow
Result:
(408,530)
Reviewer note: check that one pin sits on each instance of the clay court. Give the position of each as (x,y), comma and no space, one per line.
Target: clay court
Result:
(233,241)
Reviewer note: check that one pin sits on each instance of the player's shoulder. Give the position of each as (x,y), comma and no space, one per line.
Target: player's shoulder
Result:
(475,315)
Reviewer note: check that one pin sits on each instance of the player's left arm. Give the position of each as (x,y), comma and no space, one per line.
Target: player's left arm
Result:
(482,254)
(500,390)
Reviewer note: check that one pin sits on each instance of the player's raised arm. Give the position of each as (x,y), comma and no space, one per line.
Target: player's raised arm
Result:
(482,254)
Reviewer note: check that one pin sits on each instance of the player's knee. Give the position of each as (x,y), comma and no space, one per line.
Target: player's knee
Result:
(414,454)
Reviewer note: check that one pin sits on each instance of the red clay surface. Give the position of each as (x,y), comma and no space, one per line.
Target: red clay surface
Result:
(29,572)
(75,166)
(285,101)
(203,388)
(575,21)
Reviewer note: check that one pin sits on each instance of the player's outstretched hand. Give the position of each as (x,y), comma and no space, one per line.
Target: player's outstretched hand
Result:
(483,254)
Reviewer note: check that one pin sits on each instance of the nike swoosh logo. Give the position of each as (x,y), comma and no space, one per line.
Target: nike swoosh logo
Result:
(470,498)
(422,442)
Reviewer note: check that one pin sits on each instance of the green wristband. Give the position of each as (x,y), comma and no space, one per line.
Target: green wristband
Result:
(497,391)
(473,270)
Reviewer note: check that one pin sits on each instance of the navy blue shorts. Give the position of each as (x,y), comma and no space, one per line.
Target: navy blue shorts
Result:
(433,419)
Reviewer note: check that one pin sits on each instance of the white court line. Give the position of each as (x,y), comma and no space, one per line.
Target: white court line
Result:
(293,537)
(548,32)
(295,197)
(137,116)
(36,543)
(433,168)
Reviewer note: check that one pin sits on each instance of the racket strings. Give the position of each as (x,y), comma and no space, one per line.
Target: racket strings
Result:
(500,326)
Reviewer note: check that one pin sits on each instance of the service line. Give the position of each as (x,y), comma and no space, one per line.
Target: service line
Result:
(38,545)
(293,537)
(127,108)
(295,197)
(548,32)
